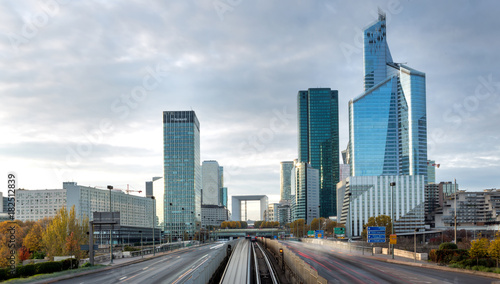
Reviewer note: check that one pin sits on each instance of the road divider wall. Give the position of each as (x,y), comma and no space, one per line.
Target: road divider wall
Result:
(366,249)
(203,272)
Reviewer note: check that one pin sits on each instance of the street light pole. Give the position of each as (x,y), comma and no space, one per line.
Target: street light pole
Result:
(456,195)
(392,184)
(154,219)
(110,187)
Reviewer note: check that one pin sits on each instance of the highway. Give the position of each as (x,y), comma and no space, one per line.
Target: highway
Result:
(175,267)
(342,266)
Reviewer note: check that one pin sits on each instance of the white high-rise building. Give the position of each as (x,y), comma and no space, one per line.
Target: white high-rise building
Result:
(372,196)
(210,182)
(34,205)
(305,184)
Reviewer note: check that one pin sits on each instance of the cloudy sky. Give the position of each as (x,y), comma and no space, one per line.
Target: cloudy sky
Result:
(83,83)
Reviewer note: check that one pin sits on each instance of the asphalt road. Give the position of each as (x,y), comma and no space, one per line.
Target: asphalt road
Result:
(175,267)
(340,266)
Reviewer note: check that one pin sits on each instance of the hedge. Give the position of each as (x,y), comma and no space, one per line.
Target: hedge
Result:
(38,268)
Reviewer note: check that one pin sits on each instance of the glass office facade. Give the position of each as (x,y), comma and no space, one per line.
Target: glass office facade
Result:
(319,141)
(182,172)
(387,123)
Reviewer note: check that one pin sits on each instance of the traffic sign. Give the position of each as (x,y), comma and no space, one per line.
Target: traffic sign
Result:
(376,234)
(339,231)
(376,229)
(393,239)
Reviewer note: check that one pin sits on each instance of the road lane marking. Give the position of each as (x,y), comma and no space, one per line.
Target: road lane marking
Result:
(122,278)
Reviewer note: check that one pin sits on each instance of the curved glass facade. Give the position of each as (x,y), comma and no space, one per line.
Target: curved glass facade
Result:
(387,123)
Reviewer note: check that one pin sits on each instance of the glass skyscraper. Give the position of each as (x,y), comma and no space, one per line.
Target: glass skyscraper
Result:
(182,173)
(318,124)
(286,168)
(388,122)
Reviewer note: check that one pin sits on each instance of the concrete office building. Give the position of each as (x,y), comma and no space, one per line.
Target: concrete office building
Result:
(33,205)
(213,215)
(305,184)
(372,196)
(211,183)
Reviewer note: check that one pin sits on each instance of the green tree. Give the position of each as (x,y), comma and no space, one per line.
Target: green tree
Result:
(494,249)
(379,221)
(479,248)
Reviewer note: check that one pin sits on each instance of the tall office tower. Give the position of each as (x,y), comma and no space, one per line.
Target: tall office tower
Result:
(431,171)
(387,123)
(318,123)
(182,172)
(307,192)
(285,180)
(210,182)
(221,188)
(223,196)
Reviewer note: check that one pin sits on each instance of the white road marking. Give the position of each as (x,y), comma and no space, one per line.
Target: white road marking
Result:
(122,278)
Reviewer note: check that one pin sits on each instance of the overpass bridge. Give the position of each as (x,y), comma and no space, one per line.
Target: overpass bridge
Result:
(242,233)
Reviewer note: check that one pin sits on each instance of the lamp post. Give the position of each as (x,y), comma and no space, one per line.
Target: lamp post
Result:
(110,187)
(456,195)
(170,224)
(319,218)
(392,184)
(154,220)
(142,256)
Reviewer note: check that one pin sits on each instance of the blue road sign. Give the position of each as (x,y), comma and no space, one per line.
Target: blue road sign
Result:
(376,237)
(376,229)
(377,241)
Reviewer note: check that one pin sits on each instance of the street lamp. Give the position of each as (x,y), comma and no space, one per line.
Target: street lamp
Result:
(392,184)
(154,213)
(142,256)
(110,187)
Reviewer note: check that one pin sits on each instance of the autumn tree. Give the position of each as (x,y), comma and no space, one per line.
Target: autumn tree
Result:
(23,254)
(63,224)
(494,249)
(298,228)
(32,241)
(379,221)
(479,248)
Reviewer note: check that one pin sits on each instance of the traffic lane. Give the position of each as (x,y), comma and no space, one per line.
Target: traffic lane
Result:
(336,270)
(361,267)
(168,268)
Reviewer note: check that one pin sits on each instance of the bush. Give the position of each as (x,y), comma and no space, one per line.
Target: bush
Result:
(471,262)
(4,274)
(86,264)
(433,255)
(26,270)
(49,267)
(66,263)
(447,246)
(451,255)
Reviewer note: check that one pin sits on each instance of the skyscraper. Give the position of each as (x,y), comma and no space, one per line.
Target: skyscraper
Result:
(182,172)
(387,123)
(211,183)
(318,125)
(305,184)
(285,180)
